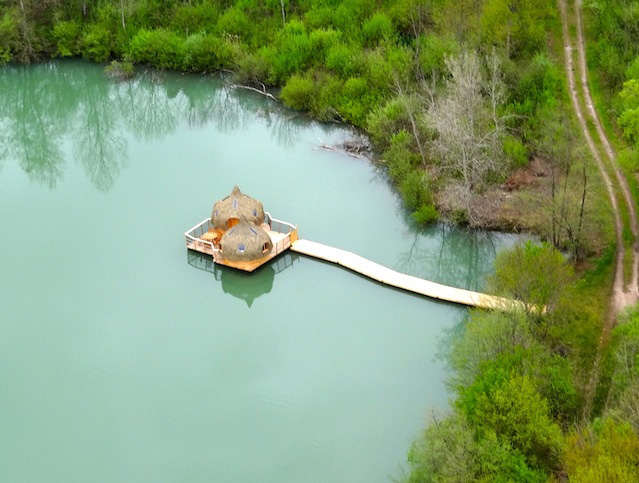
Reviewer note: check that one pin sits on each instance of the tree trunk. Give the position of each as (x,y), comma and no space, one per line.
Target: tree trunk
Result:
(581,214)
(122,15)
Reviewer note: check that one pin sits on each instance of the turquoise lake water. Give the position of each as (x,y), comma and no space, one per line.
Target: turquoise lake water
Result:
(125,358)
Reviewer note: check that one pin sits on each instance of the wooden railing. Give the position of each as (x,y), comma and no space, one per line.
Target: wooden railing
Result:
(194,241)
(194,235)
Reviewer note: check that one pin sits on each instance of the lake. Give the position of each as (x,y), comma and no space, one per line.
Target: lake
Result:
(125,358)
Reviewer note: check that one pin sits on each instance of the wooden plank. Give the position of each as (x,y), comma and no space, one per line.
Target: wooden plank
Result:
(403,281)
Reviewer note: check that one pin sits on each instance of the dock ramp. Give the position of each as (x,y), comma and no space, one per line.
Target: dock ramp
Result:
(403,281)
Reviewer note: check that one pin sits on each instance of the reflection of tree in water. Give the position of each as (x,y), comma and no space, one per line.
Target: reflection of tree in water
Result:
(97,143)
(4,143)
(34,118)
(285,127)
(42,104)
(200,103)
(145,106)
(460,259)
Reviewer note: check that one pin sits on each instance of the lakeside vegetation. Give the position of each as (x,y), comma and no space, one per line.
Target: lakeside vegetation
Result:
(398,70)
(460,99)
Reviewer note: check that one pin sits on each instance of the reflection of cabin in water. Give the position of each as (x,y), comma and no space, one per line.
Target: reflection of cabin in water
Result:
(240,234)
(243,285)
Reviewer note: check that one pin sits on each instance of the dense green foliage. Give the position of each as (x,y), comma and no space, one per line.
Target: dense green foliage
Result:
(520,377)
(455,95)
(614,55)
(377,64)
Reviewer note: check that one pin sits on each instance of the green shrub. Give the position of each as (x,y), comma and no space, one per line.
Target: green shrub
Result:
(293,53)
(254,66)
(510,406)
(191,19)
(400,158)
(356,101)
(201,52)
(319,17)
(426,214)
(330,95)
(384,65)
(348,15)
(535,274)
(415,190)
(96,44)
(235,22)
(159,48)
(299,93)
(433,49)
(629,118)
(67,38)
(632,72)
(558,387)
(608,59)
(376,28)
(383,122)
(539,84)
(8,35)
(515,150)
(321,41)
(606,450)
(629,159)
(341,59)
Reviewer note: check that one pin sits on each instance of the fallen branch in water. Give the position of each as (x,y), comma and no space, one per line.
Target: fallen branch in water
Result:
(254,89)
(354,149)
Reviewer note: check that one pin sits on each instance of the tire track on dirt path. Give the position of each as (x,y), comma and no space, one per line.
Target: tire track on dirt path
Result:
(618,285)
(630,296)
(618,298)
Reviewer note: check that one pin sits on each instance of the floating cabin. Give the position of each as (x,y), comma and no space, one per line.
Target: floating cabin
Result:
(240,234)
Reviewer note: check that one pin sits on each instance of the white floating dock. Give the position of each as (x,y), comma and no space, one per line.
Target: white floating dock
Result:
(401,280)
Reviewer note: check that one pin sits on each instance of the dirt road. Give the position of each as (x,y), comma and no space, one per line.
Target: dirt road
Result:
(621,296)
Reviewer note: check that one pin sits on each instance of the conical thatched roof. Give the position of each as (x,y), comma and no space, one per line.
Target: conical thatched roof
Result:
(237,205)
(244,242)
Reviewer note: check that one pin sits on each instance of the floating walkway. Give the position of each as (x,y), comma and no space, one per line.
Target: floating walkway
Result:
(400,280)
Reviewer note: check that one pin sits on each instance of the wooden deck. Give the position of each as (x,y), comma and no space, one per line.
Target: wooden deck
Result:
(401,280)
(280,232)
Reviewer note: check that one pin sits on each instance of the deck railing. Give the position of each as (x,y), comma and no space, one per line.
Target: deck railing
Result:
(193,238)
(279,225)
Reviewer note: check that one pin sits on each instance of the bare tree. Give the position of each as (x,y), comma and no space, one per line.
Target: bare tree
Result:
(467,123)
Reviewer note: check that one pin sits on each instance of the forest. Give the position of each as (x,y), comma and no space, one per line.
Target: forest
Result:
(391,69)
(467,107)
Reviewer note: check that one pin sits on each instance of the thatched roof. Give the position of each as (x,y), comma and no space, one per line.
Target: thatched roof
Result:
(237,205)
(245,241)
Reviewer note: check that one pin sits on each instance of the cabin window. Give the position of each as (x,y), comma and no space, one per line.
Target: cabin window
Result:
(216,213)
(235,204)
(253,230)
(241,248)
(254,212)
